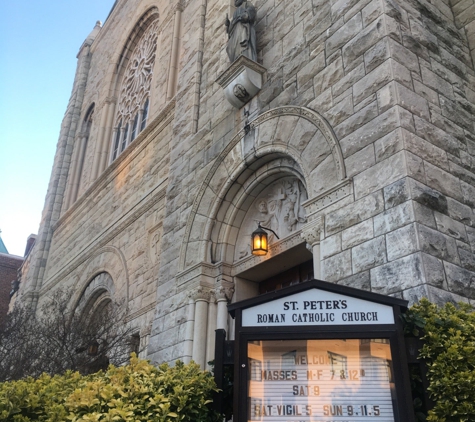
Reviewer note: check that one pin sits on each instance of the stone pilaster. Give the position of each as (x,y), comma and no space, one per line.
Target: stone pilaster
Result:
(311,233)
(202,297)
(223,296)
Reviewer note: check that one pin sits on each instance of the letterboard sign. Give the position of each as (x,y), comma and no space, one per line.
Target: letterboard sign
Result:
(318,352)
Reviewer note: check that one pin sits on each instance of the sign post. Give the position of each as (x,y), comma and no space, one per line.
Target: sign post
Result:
(319,352)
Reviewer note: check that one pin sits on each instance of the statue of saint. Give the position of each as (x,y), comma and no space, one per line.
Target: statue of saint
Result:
(241,31)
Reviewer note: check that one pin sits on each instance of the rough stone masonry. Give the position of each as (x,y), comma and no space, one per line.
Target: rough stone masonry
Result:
(361,145)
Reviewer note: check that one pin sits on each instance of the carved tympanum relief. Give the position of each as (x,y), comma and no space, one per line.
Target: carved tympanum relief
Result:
(138,75)
(278,207)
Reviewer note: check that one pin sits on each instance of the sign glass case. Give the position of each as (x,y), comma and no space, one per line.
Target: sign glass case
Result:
(320,380)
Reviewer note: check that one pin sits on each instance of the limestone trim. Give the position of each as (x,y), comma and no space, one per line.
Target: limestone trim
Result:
(140,312)
(174,54)
(202,294)
(236,68)
(276,248)
(98,287)
(303,112)
(242,196)
(203,268)
(180,5)
(339,191)
(90,273)
(106,236)
(158,125)
(312,230)
(199,65)
(318,120)
(224,294)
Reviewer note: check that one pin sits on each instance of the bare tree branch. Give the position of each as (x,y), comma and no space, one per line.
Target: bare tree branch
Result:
(60,339)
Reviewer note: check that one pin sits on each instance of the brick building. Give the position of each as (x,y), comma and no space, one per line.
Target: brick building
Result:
(357,148)
(9,265)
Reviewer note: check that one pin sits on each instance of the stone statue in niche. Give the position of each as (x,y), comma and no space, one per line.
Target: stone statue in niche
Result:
(279,208)
(241,31)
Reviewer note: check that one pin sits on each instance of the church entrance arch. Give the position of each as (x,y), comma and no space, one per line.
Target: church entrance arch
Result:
(289,155)
(287,145)
(266,173)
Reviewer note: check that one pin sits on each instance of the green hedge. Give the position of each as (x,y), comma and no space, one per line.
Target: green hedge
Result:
(449,352)
(135,392)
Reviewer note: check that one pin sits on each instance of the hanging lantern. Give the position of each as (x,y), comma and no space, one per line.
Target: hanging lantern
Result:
(93,348)
(259,240)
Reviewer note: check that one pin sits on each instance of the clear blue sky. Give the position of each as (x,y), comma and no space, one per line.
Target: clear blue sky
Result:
(39,41)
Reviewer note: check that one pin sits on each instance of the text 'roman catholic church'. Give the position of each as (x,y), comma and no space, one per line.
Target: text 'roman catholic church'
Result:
(346,127)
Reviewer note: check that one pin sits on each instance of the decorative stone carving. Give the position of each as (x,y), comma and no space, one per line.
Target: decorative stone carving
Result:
(312,230)
(278,207)
(137,79)
(201,294)
(224,294)
(154,238)
(338,192)
(241,31)
(241,81)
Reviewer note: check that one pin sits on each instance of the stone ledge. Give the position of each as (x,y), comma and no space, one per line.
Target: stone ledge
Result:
(241,81)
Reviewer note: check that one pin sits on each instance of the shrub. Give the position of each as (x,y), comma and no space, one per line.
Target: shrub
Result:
(449,351)
(135,392)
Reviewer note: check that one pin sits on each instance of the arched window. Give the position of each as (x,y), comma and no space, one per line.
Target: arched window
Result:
(136,83)
(80,156)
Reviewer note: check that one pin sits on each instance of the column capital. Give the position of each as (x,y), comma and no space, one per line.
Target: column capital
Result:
(224,294)
(201,294)
(312,230)
(179,6)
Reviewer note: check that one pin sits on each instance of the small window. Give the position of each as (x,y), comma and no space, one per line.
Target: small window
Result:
(144,116)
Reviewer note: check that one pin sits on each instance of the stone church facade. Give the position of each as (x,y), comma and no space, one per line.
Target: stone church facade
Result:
(358,151)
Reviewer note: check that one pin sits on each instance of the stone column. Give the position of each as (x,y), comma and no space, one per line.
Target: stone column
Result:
(173,71)
(106,150)
(72,173)
(223,295)
(99,148)
(80,165)
(311,233)
(201,296)
(190,323)
(211,338)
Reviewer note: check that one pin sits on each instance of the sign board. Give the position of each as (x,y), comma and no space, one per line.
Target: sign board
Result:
(317,307)
(320,380)
(318,352)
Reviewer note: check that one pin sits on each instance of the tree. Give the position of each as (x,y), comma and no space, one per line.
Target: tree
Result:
(58,338)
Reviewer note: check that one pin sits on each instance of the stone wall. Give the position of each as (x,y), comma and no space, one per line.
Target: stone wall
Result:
(368,104)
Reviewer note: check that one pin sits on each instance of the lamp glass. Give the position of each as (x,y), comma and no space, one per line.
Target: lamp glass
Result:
(93,348)
(259,242)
